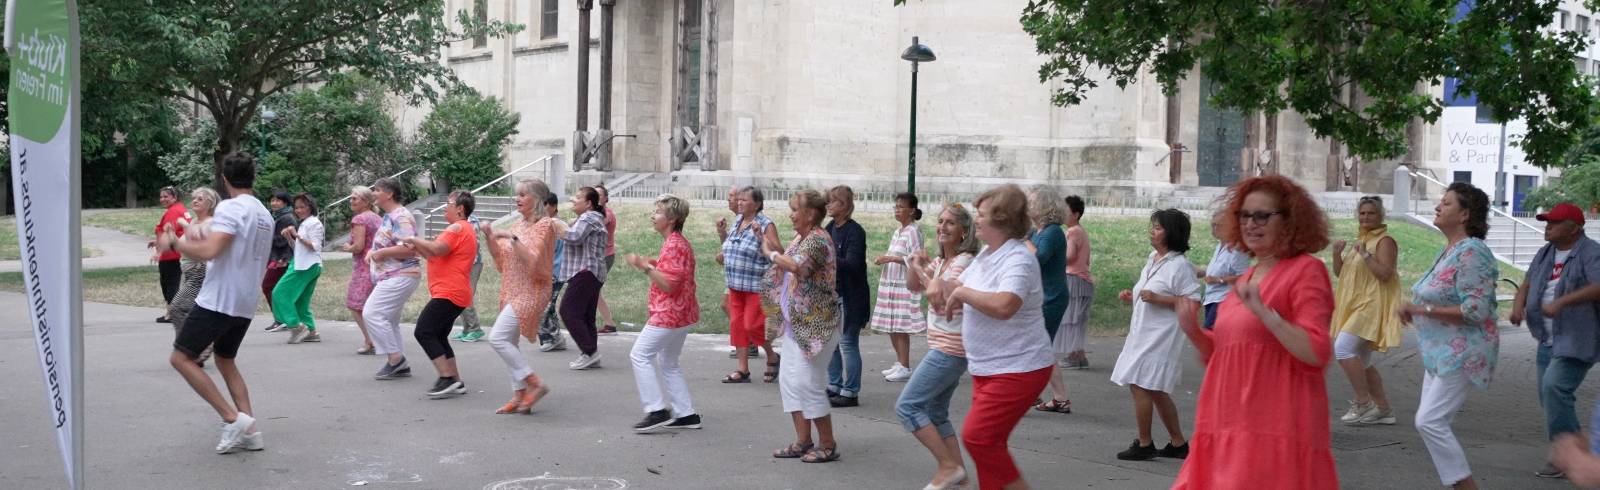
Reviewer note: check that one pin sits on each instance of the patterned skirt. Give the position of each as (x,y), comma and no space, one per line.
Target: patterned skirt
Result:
(898,310)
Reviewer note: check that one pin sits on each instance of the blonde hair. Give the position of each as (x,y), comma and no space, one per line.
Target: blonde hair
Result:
(675,208)
(364,193)
(969,243)
(209,196)
(1044,201)
(534,188)
(1008,209)
(846,195)
(810,199)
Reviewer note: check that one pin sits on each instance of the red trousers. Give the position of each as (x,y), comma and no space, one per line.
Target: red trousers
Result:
(998,403)
(747,324)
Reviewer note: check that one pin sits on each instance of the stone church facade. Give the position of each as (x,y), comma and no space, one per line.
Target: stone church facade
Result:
(808,94)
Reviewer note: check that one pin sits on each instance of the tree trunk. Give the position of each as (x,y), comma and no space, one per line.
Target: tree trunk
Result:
(228,134)
(130,187)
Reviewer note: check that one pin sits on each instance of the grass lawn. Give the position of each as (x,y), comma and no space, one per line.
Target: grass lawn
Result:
(135,221)
(8,243)
(1120,247)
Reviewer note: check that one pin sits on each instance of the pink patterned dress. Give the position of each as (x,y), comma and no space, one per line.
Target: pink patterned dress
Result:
(360,287)
(898,309)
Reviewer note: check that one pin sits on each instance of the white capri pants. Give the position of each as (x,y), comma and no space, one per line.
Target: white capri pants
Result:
(382,313)
(656,371)
(504,337)
(1350,346)
(1442,396)
(803,383)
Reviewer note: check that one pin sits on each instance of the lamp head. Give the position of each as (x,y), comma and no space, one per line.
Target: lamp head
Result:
(918,52)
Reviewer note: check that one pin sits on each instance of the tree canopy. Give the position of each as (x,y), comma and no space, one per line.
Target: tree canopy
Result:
(1302,55)
(228,56)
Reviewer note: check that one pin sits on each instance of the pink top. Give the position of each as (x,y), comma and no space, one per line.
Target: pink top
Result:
(1078,256)
(526,287)
(611,233)
(677,308)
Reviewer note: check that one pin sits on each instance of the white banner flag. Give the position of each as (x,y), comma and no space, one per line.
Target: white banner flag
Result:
(41,38)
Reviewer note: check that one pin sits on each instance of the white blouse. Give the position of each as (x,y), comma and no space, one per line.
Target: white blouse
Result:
(305,256)
(1016,345)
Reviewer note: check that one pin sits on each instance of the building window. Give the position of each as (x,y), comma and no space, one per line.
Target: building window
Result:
(547,19)
(1583,26)
(1561,22)
(1462,176)
(1581,63)
(480,12)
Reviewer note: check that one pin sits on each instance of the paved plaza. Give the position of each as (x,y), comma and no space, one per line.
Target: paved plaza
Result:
(329,425)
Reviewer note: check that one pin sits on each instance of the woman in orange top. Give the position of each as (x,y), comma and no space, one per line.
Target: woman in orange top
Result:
(1268,350)
(450,257)
(524,257)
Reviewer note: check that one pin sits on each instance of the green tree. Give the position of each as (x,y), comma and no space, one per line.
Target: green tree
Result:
(228,56)
(461,140)
(1275,55)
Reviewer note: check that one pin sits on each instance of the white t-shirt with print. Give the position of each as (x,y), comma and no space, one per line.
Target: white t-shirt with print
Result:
(1555,276)
(233,281)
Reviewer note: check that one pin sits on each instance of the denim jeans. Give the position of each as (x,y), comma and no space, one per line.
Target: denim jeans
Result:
(1559,378)
(844,371)
(926,398)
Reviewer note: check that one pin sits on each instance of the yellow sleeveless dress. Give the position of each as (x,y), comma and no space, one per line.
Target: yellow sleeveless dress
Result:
(1363,305)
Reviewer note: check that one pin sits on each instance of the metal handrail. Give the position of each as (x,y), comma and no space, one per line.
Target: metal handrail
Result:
(1491,208)
(347,197)
(498,179)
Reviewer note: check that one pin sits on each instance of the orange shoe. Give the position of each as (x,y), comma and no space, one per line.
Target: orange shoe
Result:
(516,401)
(536,392)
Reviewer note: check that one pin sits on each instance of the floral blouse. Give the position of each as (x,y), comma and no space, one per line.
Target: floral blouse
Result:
(806,307)
(1464,275)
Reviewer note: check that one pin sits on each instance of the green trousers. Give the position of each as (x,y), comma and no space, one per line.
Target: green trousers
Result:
(291,298)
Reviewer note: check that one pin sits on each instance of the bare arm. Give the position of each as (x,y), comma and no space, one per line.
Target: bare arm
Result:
(1000,305)
(1382,263)
(203,249)
(358,239)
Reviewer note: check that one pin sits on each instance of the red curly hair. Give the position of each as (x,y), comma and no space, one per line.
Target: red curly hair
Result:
(1304,224)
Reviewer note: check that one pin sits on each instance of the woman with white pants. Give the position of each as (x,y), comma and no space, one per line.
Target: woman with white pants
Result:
(1453,307)
(525,257)
(396,271)
(673,313)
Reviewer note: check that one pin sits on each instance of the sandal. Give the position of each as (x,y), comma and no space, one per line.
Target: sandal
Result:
(534,395)
(511,406)
(772,370)
(366,351)
(737,377)
(795,450)
(821,455)
(1058,406)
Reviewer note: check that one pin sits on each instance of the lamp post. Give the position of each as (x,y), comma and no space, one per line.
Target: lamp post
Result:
(917,53)
(267,117)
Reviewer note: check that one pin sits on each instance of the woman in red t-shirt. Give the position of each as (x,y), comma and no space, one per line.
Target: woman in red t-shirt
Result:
(673,313)
(450,257)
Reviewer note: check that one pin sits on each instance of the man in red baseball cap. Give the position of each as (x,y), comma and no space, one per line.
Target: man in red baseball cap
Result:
(1558,299)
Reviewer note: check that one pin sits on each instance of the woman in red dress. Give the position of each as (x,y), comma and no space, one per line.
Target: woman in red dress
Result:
(1262,417)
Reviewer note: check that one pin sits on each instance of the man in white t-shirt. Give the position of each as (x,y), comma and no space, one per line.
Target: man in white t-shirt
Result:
(236,247)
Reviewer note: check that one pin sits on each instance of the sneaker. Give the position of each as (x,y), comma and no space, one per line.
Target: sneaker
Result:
(1377,417)
(892,369)
(1075,364)
(248,442)
(546,345)
(691,421)
(755,352)
(233,432)
(446,388)
(1358,411)
(841,401)
(654,420)
(899,376)
(474,336)
(733,353)
(275,327)
(1550,471)
(1135,452)
(163,319)
(585,362)
(560,343)
(312,337)
(458,336)
(297,334)
(1180,452)
(392,371)
(607,330)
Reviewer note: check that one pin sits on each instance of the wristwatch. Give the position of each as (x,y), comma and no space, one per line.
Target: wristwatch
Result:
(1427,309)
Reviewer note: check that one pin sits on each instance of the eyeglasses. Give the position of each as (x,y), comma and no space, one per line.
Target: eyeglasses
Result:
(1260,218)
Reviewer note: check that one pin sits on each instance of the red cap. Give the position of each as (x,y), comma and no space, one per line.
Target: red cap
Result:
(1563,212)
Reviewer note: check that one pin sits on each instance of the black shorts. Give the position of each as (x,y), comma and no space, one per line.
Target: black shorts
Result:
(209,328)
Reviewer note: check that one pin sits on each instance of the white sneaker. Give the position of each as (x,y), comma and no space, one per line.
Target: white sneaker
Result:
(900,375)
(585,362)
(298,334)
(892,369)
(248,442)
(233,432)
(1377,417)
(1359,411)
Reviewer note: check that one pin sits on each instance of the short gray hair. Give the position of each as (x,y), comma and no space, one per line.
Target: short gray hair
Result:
(675,208)
(208,195)
(1044,201)
(364,193)
(755,195)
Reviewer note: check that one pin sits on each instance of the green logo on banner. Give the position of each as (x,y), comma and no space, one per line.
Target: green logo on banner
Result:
(40,85)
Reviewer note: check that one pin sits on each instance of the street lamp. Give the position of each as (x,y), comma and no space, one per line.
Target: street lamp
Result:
(917,53)
(267,117)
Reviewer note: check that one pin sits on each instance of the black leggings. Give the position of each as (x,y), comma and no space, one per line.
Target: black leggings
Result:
(433,327)
(577,310)
(171,271)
